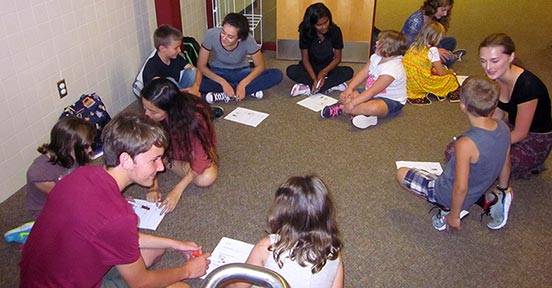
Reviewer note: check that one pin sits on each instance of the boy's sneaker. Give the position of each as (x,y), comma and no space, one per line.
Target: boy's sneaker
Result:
(300,89)
(259,94)
(341,87)
(19,234)
(499,211)
(459,53)
(331,111)
(486,201)
(419,101)
(212,97)
(439,222)
(217,112)
(363,122)
(454,96)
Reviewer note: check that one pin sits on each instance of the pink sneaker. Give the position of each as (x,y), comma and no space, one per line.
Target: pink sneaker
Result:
(331,111)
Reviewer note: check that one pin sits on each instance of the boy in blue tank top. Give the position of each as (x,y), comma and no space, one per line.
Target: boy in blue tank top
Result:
(481,155)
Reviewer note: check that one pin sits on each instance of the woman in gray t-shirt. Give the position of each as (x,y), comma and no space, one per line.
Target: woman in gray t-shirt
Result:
(223,61)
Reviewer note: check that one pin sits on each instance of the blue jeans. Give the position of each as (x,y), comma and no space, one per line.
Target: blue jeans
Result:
(187,78)
(448,43)
(267,79)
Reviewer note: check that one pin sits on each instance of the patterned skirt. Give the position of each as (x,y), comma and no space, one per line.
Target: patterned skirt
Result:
(529,154)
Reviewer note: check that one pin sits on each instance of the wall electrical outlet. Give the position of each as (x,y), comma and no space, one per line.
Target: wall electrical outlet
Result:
(62,88)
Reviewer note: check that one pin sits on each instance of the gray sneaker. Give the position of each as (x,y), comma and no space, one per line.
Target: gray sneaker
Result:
(439,222)
(213,97)
(499,211)
(458,54)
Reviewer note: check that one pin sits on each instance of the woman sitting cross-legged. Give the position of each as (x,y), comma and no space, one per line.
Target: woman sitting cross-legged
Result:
(223,60)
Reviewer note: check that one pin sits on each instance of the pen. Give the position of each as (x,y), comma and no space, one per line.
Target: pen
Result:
(320,82)
(317,86)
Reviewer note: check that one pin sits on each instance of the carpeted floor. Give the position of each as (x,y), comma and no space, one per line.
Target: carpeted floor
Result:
(387,232)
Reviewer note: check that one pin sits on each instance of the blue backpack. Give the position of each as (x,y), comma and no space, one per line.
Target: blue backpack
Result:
(92,109)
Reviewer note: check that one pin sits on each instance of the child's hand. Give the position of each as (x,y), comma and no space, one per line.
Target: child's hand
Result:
(345,95)
(453,222)
(153,196)
(170,202)
(348,106)
(445,54)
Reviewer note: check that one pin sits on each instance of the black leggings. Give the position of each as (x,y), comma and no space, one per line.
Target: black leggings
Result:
(337,76)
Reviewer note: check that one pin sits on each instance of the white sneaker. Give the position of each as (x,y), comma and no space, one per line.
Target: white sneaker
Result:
(212,97)
(300,89)
(259,94)
(341,87)
(499,211)
(363,122)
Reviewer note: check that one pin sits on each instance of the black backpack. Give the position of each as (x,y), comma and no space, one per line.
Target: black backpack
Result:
(190,49)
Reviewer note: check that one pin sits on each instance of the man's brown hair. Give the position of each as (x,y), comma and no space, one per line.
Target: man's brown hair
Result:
(130,133)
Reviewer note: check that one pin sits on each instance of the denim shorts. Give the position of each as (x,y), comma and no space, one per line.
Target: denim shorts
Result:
(393,107)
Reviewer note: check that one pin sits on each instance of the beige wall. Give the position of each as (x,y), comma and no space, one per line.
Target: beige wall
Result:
(194,18)
(345,13)
(472,20)
(95,45)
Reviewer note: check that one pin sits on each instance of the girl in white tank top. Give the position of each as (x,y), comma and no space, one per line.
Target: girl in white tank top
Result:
(303,245)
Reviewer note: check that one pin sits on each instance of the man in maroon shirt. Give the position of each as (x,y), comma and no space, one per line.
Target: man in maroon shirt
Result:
(87,227)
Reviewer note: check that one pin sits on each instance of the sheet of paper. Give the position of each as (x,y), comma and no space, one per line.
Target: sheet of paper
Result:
(246,116)
(461,78)
(228,251)
(433,167)
(317,102)
(149,215)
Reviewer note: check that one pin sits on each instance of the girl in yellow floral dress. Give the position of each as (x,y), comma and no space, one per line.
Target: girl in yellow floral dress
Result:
(425,72)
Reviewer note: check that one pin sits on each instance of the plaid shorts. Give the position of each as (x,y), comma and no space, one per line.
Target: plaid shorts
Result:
(421,182)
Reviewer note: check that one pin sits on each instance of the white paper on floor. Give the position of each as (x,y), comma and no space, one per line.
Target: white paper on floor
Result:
(149,215)
(246,116)
(228,251)
(317,102)
(461,78)
(432,167)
